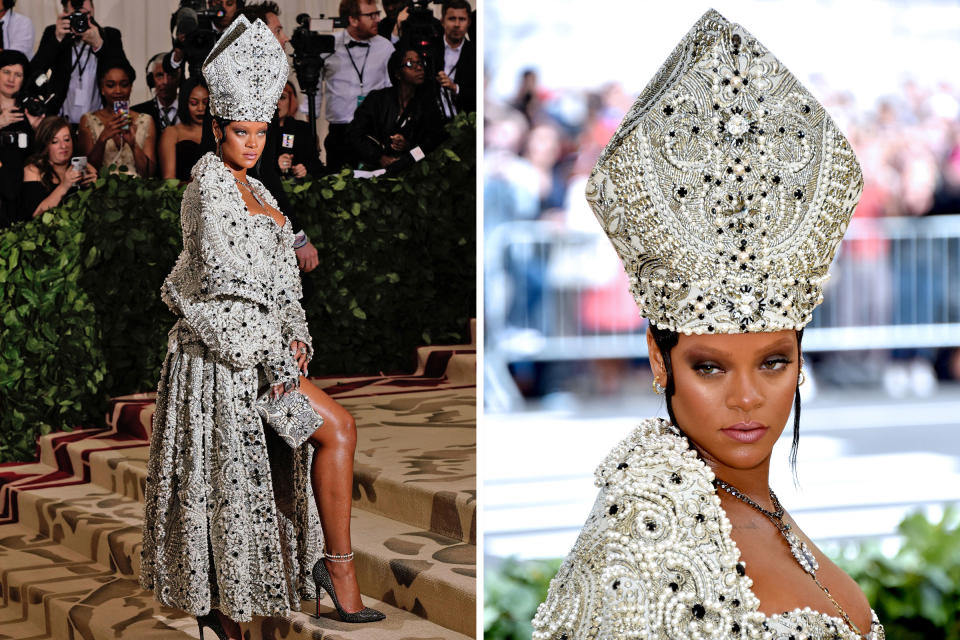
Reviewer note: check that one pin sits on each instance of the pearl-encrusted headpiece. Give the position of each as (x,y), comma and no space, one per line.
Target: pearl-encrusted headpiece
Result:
(246,72)
(726,189)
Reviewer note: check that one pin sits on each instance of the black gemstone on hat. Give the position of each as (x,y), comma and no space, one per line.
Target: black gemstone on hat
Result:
(806,108)
(622,465)
(674,586)
(668,110)
(776,179)
(741,570)
(798,194)
(699,611)
(613,509)
(695,130)
(682,192)
(616,584)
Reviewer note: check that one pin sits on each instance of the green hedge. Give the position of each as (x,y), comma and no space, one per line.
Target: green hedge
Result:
(915,592)
(79,287)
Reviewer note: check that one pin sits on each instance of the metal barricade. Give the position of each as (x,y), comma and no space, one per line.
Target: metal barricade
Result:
(556,294)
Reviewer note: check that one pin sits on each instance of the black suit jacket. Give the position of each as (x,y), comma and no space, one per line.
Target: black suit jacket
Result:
(55,55)
(466,77)
(150,108)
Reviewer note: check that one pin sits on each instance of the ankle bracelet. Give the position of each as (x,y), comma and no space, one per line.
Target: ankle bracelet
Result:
(338,557)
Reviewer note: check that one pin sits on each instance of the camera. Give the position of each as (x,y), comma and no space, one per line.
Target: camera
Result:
(194,21)
(79,21)
(310,49)
(35,95)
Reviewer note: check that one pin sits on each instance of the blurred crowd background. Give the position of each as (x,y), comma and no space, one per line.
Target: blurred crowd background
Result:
(555,95)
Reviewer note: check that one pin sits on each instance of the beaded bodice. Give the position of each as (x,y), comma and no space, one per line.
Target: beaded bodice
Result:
(655,559)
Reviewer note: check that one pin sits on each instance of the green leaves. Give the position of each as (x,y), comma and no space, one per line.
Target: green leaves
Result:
(83,319)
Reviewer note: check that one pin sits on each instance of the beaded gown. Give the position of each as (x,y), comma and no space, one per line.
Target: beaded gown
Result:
(229,519)
(655,559)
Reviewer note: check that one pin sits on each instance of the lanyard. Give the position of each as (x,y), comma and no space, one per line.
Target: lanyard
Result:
(78,53)
(361,69)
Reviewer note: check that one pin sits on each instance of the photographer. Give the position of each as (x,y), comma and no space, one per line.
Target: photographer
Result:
(357,67)
(71,49)
(16,130)
(16,31)
(225,12)
(396,119)
(458,79)
(48,176)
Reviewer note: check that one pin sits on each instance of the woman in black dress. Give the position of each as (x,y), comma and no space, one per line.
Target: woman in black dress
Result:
(180,143)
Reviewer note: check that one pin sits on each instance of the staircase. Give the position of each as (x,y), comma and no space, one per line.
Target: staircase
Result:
(70,523)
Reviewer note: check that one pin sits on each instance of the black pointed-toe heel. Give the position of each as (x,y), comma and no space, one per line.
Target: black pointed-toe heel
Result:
(211,620)
(321,578)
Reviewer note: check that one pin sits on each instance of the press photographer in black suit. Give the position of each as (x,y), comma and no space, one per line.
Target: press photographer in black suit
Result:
(458,79)
(72,56)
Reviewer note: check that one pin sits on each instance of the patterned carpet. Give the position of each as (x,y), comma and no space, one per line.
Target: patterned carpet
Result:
(70,523)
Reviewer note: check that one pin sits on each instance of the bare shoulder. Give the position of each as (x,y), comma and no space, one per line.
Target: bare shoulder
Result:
(31,173)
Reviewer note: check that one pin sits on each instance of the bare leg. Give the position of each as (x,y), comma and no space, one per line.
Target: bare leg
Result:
(332,479)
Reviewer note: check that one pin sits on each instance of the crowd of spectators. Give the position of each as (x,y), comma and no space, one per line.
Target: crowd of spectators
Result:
(541,144)
(65,113)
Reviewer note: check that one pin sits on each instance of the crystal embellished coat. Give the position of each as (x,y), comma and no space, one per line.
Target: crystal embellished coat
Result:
(229,516)
(655,559)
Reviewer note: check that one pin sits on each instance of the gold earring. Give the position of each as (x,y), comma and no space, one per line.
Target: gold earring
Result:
(657,388)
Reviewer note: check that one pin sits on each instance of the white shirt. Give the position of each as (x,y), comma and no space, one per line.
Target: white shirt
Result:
(18,32)
(342,77)
(171,111)
(451,56)
(82,92)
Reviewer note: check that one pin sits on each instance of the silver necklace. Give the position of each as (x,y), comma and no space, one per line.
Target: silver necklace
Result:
(250,189)
(801,552)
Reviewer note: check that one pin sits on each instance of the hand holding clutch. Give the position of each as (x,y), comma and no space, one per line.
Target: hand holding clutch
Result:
(290,415)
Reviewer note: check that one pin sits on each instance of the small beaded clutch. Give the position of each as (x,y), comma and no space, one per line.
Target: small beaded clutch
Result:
(290,415)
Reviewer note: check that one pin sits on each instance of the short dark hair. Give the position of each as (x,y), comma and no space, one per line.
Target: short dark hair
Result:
(260,10)
(183,99)
(455,4)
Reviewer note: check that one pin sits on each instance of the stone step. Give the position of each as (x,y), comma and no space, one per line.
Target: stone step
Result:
(50,592)
(415,459)
(428,574)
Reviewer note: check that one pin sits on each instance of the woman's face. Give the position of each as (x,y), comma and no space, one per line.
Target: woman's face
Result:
(61,147)
(11,79)
(197,103)
(242,143)
(287,103)
(115,86)
(411,68)
(734,392)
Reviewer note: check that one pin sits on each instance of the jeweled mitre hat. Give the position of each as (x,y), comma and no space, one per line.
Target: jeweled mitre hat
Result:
(246,72)
(726,189)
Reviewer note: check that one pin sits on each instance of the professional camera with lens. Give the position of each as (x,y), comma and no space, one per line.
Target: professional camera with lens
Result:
(79,21)
(312,42)
(193,21)
(35,95)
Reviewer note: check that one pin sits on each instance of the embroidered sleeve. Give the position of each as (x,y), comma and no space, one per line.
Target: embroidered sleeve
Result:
(223,285)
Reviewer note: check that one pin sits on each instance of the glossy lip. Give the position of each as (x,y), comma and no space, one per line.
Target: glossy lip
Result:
(746,432)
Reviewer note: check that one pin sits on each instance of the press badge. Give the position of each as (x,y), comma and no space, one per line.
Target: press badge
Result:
(360,99)
(286,141)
